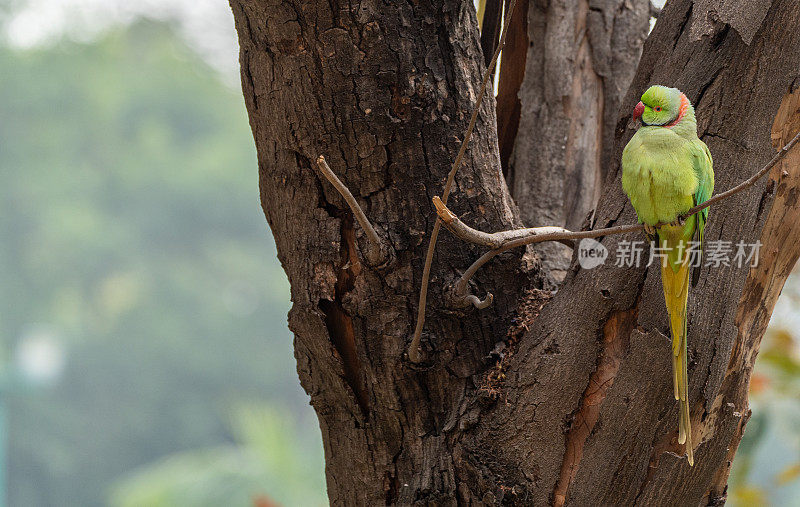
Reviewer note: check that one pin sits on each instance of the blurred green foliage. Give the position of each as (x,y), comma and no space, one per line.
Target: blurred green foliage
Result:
(766,470)
(267,457)
(130,228)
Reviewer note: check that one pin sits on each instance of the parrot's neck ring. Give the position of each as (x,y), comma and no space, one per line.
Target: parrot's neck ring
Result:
(681,111)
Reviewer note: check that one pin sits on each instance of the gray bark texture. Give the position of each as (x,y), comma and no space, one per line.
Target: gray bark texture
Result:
(581,58)
(538,399)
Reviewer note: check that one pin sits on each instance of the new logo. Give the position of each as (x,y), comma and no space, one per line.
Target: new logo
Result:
(591,253)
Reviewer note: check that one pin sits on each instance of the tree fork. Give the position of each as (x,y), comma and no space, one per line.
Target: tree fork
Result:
(385,93)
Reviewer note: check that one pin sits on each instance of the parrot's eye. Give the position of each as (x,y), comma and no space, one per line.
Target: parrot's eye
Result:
(657,109)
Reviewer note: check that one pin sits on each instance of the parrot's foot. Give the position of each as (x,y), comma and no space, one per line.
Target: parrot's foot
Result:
(649,230)
(678,222)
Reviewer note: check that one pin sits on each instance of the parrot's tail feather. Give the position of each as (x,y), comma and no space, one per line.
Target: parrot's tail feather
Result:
(676,379)
(684,403)
(675,280)
(684,426)
(687,429)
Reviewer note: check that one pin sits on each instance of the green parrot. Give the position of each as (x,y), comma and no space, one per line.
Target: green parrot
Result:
(666,170)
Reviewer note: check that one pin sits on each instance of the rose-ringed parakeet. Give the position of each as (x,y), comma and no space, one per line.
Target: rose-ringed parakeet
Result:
(666,170)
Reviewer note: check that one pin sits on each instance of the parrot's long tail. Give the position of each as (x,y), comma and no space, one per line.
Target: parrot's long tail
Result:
(675,280)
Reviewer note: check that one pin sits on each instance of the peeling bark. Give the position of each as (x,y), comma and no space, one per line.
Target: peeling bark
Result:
(780,239)
(535,400)
(616,333)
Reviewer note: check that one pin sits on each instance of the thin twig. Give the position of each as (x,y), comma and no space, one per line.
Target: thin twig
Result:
(377,251)
(413,349)
(502,241)
(748,182)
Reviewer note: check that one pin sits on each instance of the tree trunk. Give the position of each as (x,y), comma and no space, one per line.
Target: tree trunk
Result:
(581,58)
(575,403)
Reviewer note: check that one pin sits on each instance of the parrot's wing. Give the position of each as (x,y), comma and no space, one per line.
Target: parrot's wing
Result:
(703,168)
(632,185)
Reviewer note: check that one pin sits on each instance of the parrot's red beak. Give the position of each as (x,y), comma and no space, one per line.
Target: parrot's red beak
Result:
(638,111)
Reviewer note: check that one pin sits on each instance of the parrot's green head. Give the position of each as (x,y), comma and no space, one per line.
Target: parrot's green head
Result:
(661,106)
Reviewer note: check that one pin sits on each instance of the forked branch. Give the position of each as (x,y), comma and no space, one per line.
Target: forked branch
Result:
(498,239)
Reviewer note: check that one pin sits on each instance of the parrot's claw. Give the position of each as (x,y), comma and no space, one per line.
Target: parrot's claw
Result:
(649,230)
(678,222)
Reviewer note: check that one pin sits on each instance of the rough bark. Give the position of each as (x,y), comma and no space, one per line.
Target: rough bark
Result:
(385,93)
(581,59)
(579,407)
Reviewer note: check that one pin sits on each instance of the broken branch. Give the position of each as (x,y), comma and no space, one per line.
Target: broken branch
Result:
(377,252)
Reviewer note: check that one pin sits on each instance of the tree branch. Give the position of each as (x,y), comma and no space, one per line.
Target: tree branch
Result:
(502,241)
(498,239)
(378,251)
(748,182)
(413,349)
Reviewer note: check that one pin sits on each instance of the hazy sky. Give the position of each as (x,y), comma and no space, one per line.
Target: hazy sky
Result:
(207,25)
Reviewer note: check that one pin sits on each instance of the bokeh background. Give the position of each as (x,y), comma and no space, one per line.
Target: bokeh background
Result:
(144,353)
